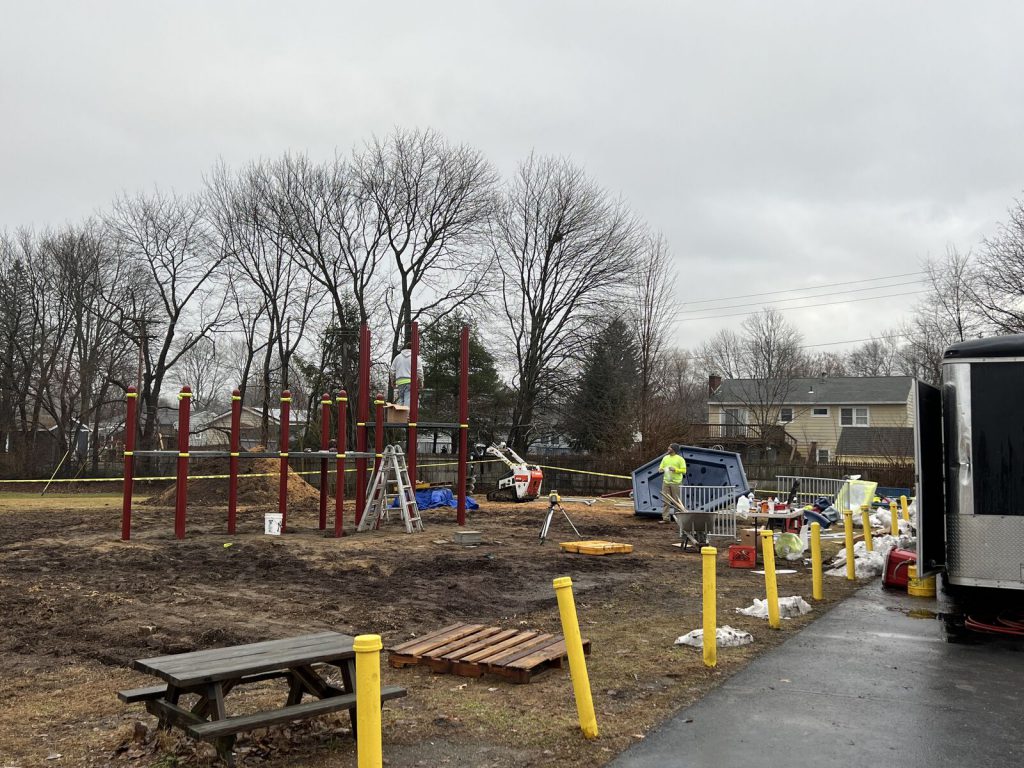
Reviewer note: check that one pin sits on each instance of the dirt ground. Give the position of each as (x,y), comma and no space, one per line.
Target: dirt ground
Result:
(79,605)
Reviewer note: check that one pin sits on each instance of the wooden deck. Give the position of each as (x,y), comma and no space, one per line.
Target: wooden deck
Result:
(472,650)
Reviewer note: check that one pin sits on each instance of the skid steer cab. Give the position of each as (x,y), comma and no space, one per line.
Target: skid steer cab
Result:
(522,481)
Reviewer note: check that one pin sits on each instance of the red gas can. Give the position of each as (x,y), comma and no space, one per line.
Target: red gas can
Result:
(896,563)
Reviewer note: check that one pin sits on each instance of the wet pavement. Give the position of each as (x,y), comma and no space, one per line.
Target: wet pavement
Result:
(872,683)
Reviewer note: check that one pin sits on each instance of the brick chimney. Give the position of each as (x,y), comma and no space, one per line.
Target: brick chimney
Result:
(714,382)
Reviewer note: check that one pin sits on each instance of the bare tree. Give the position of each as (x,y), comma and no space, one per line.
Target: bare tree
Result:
(652,311)
(998,287)
(167,239)
(725,355)
(247,211)
(432,202)
(566,251)
(877,357)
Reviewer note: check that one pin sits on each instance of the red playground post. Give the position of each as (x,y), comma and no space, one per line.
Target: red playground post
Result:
(362,416)
(339,484)
(463,421)
(378,432)
(129,463)
(181,492)
(414,403)
(235,449)
(282,447)
(325,444)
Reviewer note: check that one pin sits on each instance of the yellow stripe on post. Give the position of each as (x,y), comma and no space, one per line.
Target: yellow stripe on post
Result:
(851,571)
(816,590)
(577,662)
(894,518)
(771,585)
(369,744)
(709,556)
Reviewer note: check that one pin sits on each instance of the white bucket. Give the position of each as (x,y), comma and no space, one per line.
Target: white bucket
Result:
(272,523)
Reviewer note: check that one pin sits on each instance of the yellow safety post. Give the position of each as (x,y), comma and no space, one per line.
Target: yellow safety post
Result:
(368,745)
(816,590)
(895,517)
(709,556)
(865,517)
(906,509)
(771,586)
(577,663)
(851,571)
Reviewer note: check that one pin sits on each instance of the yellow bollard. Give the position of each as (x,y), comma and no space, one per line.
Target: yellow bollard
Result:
(851,571)
(894,515)
(709,556)
(771,586)
(906,509)
(368,745)
(816,561)
(577,662)
(865,519)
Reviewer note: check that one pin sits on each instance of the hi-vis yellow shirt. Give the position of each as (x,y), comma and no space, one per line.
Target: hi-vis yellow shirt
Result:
(674,467)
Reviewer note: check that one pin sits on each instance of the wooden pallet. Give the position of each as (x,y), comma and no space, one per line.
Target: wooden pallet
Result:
(596,547)
(471,650)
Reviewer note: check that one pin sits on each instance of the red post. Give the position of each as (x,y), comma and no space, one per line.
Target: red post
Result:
(339,490)
(282,448)
(129,462)
(362,416)
(378,432)
(414,402)
(181,492)
(325,444)
(463,421)
(235,448)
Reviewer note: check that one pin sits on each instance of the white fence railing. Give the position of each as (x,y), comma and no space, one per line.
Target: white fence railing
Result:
(718,500)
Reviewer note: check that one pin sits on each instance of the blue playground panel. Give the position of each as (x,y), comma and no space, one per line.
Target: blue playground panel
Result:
(704,467)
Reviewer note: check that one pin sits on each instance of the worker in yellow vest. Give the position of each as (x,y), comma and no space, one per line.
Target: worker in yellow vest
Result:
(673,468)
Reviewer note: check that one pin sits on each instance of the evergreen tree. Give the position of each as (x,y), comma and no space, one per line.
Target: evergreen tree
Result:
(603,411)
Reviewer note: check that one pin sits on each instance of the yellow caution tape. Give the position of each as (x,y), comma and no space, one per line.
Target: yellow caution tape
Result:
(585,472)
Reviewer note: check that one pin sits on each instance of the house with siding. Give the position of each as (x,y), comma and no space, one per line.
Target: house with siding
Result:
(815,418)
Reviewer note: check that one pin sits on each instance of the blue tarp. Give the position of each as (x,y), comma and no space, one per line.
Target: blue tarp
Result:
(429,498)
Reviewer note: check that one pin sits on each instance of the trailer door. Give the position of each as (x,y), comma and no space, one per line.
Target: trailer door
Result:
(928,468)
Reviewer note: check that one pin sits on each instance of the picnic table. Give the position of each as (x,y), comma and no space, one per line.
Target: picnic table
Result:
(212,674)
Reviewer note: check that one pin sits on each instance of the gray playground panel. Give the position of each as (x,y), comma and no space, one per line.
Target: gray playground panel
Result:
(704,467)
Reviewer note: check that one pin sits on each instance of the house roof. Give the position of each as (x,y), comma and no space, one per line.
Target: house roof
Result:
(892,442)
(818,390)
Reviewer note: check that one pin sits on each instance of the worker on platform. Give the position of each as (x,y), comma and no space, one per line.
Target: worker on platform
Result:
(401,376)
(673,469)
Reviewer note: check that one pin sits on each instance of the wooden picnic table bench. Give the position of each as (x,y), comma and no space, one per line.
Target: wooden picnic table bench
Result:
(213,673)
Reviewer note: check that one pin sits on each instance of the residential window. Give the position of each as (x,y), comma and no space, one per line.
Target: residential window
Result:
(785,415)
(819,412)
(823,456)
(853,417)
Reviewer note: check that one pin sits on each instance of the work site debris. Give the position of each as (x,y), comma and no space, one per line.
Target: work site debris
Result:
(788,608)
(867,564)
(728,637)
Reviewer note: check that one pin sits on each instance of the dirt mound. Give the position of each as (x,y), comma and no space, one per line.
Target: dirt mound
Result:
(258,483)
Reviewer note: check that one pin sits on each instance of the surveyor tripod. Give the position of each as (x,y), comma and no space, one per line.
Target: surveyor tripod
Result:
(555,504)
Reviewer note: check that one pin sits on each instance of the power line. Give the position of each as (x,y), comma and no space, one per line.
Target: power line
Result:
(880,337)
(787,309)
(813,296)
(805,288)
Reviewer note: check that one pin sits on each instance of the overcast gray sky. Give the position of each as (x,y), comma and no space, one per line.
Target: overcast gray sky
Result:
(776,144)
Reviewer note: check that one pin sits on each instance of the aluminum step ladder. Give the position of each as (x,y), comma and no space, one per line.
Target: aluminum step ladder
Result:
(389,481)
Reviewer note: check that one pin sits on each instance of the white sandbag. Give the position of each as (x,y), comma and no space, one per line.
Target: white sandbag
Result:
(727,637)
(788,607)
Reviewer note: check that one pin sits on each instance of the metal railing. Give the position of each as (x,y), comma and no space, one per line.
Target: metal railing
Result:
(719,500)
(810,488)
